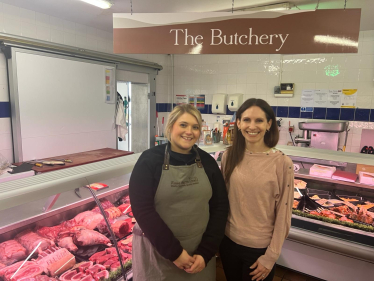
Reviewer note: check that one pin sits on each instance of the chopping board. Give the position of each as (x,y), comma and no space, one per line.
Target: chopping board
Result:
(81,158)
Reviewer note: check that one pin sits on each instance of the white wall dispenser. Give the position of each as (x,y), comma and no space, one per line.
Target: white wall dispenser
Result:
(234,101)
(219,103)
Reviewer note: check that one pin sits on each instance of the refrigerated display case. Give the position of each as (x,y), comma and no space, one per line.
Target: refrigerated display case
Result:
(321,247)
(56,198)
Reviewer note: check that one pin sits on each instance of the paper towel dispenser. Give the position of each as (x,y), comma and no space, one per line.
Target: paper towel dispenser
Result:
(219,103)
(234,101)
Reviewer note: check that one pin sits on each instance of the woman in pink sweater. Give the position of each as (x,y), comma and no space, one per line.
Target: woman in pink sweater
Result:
(259,181)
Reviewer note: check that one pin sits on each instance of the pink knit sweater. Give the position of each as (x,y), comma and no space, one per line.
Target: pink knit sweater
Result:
(261,195)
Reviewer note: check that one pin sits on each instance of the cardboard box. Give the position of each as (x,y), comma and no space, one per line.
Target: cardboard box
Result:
(364,168)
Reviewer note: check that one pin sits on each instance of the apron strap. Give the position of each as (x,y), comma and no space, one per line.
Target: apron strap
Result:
(166,164)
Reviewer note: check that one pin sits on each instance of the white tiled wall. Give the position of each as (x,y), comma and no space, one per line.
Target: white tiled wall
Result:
(256,75)
(27,23)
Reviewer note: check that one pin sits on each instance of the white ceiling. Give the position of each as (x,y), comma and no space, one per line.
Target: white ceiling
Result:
(83,13)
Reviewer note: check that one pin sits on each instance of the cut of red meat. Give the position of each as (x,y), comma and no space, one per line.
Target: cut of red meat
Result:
(2,265)
(67,243)
(87,219)
(13,268)
(30,270)
(94,269)
(125,208)
(84,265)
(66,276)
(38,278)
(106,204)
(104,258)
(55,261)
(109,262)
(102,227)
(49,232)
(111,251)
(11,251)
(113,213)
(115,266)
(98,254)
(121,228)
(30,240)
(101,275)
(88,278)
(78,276)
(86,237)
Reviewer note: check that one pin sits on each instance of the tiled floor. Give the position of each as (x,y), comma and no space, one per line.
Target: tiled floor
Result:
(281,274)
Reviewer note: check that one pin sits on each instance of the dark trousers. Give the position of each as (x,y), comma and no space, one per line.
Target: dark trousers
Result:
(236,260)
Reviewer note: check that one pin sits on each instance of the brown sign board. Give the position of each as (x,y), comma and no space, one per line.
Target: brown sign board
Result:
(306,32)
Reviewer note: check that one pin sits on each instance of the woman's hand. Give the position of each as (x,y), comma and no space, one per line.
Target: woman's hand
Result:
(260,273)
(184,260)
(198,265)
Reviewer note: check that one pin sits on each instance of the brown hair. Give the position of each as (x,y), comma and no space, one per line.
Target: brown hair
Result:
(178,111)
(235,153)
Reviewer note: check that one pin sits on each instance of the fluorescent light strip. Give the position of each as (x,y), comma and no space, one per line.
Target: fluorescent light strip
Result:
(103,4)
(335,40)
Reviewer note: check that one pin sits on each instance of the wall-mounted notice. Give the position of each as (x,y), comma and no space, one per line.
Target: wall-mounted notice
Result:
(349,97)
(200,101)
(181,99)
(109,86)
(307,101)
(334,99)
(320,98)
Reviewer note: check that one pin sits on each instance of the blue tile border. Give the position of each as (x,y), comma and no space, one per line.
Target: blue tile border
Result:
(319,113)
(294,112)
(347,114)
(362,114)
(4,109)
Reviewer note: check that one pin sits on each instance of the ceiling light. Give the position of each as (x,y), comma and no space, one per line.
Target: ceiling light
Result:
(325,39)
(103,4)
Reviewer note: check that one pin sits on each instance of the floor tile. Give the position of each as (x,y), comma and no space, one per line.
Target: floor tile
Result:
(277,278)
(280,271)
(294,276)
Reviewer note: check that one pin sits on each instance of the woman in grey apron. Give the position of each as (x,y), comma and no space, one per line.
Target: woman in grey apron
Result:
(179,200)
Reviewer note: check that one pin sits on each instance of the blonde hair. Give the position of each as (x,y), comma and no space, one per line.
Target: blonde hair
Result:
(177,112)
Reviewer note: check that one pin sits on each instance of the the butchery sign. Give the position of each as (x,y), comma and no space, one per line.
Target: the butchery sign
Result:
(286,32)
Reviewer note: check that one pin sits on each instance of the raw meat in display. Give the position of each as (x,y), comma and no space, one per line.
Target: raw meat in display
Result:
(95,268)
(125,208)
(109,262)
(78,276)
(30,240)
(88,278)
(345,219)
(66,276)
(113,213)
(84,265)
(13,268)
(103,259)
(102,227)
(125,199)
(87,251)
(111,251)
(87,237)
(87,219)
(98,254)
(105,204)
(55,260)
(67,243)
(121,228)
(2,265)
(49,232)
(11,251)
(101,275)
(38,278)
(115,266)
(27,271)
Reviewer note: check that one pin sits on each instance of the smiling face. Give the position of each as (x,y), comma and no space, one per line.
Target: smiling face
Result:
(184,133)
(253,125)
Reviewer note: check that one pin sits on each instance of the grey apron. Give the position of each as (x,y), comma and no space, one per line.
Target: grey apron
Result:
(182,201)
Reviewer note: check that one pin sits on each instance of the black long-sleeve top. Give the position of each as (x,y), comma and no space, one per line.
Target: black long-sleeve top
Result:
(144,181)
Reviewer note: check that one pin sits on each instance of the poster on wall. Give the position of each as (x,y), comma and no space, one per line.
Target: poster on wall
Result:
(197,101)
(349,97)
(246,32)
(109,86)
(334,98)
(320,98)
(181,99)
(307,101)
